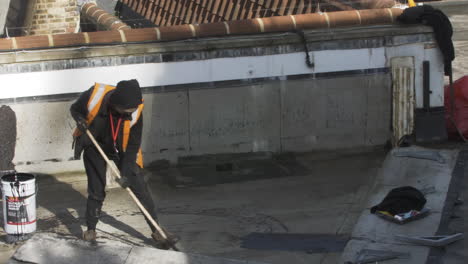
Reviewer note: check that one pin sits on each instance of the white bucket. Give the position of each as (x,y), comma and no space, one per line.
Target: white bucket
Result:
(19,203)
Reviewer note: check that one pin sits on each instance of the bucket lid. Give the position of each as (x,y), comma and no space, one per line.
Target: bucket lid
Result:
(21,177)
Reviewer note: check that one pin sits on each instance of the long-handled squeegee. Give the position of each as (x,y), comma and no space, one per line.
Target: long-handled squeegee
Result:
(130,192)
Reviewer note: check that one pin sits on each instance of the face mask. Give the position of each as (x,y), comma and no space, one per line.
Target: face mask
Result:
(122,112)
(126,116)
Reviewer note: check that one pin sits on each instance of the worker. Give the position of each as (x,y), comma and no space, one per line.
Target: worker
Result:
(114,117)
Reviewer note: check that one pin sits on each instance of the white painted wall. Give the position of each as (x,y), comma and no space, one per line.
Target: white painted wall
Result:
(171,73)
(300,115)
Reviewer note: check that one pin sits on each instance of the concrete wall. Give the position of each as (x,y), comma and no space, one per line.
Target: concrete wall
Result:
(290,115)
(223,99)
(336,113)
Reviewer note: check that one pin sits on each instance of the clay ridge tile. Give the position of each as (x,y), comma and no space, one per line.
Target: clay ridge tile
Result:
(7,43)
(69,39)
(141,35)
(32,42)
(102,18)
(101,37)
(177,32)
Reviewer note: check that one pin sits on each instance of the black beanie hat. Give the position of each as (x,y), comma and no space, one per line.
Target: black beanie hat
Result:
(127,94)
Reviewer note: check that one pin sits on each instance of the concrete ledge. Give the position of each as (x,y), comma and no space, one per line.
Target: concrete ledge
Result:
(372,232)
(209,44)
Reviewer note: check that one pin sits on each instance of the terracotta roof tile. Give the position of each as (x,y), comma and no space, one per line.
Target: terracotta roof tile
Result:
(213,29)
(177,32)
(143,34)
(282,23)
(319,20)
(345,18)
(90,11)
(248,26)
(100,37)
(7,43)
(377,16)
(69,39)
(31,42)
(279,23)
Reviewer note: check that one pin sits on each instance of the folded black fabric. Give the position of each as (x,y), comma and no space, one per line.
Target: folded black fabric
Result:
(401,200)
(435,18)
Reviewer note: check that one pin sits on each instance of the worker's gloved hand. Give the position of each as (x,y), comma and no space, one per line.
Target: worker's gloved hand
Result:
(82,125)
(123,181)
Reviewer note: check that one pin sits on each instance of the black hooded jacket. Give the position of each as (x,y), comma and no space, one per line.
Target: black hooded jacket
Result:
(435,18)
(101,130)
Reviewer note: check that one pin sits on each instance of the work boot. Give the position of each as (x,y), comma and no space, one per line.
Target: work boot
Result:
(162,243)
(89,235)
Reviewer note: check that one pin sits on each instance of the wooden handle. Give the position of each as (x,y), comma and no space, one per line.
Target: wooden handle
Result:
(117,173)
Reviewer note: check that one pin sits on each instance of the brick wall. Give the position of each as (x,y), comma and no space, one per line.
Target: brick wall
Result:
(55,17)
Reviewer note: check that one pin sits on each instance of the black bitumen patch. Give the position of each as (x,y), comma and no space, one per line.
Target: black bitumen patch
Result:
(311,243)
(213,171)
(7,137)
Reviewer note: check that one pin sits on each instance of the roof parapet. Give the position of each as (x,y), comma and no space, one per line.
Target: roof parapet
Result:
(219,29)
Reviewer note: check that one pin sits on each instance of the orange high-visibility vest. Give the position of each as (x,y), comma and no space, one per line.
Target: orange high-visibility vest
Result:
(94,104)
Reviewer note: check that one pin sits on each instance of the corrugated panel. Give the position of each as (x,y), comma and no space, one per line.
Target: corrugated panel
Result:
(403,98)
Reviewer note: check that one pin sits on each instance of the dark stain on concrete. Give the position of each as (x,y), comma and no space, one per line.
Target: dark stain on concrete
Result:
(211,170)
(48,224)
(7,137)
(53,160)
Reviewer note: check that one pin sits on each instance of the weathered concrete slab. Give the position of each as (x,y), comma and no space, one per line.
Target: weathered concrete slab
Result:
(335,113)
(141,255)
(416,254)
(372,232)
(236,119)
(52,248)
(326,198)
(166,126)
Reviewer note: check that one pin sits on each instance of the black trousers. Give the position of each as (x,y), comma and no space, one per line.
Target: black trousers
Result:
(95,167)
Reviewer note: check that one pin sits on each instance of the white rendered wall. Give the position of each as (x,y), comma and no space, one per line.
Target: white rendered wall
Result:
(282,115)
